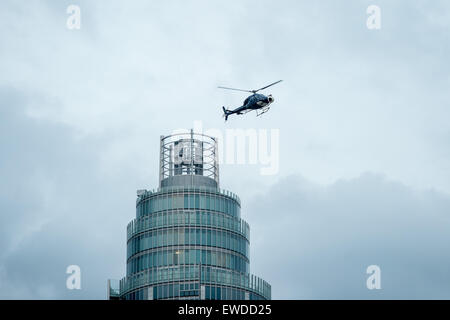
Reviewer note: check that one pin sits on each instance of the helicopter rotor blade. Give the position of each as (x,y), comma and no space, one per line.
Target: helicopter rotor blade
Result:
(254,91)
(234,89)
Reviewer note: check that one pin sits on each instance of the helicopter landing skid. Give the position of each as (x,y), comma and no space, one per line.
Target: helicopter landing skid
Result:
(263,110)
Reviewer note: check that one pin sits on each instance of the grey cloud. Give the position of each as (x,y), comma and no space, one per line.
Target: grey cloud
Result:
(81,112)
(315,241)
(56,208)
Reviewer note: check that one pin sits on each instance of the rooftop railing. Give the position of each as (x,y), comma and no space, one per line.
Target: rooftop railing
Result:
(203,274)
(147,193)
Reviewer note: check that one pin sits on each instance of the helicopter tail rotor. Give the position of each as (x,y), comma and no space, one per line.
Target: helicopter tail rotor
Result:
(226,113)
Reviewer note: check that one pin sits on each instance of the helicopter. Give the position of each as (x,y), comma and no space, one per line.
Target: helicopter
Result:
(258,102)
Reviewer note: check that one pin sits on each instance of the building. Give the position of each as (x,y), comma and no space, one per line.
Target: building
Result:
(188,240)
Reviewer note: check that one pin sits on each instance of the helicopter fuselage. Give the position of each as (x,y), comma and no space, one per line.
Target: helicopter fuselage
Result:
(254,102)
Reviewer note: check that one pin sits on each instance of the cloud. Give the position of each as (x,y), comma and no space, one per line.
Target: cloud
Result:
(369,100)
(57,207)
(81,112)
(314,241)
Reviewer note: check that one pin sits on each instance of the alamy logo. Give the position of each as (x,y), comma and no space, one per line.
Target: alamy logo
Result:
(374,20)
(73,282)
(242,146)
(74,20)
(374,280)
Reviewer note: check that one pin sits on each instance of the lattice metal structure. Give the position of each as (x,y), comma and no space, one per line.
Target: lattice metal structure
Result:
(188,154)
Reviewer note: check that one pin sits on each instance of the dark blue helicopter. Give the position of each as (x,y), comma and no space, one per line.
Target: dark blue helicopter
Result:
(258,102)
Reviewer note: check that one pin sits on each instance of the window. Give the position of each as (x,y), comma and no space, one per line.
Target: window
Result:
(186,201)
(164,236)
(186,236)
(145,241)
(219,293)
(197,238)
(154,259)
(191,201)
(204,261)
(170,237)
(151,205)
(150,239)
(186,256)
(213,238)
(202,201)
(197,256)
(164,202)
(221,220)
(219,259)
(192,236)
(165,259)
(203,242)
(192,256)
(165,291)
(181,236)
(197,202)
(214,258)
(159,239)
(175,236)
(207,293)
(159,255)
(177,202)
(222,239)
(181,257)
(203,217)
(158,219)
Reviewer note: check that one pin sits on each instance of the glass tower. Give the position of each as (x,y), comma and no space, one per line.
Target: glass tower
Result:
(188,240)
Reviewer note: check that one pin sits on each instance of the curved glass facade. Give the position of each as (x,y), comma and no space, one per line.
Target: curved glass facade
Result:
(188,240)
(189,199)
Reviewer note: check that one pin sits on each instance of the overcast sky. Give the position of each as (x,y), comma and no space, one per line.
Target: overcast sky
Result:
(363,118)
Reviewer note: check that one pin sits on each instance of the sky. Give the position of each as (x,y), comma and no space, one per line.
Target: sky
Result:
(362,117)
